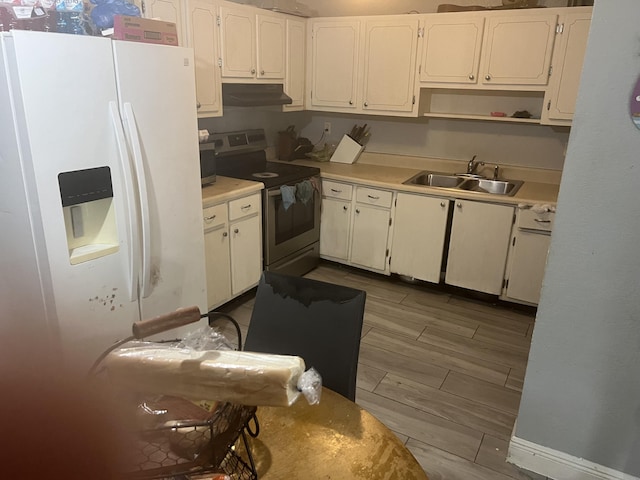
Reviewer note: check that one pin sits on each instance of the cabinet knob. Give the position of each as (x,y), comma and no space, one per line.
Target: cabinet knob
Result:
(472,76)
(345,208)
(253,71)
(442,204)
(357,210)
(366,104)
(459,205)
(225,234)
(350,102)
(235,230)
(487,77)
(198,104)
(261,72)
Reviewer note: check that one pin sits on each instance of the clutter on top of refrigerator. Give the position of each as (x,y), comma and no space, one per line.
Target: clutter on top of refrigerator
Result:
(63,16)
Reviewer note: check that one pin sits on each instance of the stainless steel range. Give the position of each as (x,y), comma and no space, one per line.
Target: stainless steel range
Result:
(290,200)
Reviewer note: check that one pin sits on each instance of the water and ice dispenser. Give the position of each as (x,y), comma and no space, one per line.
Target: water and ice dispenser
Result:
(89,213)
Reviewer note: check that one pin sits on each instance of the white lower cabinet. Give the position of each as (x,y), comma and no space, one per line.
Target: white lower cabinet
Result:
(420,229)
(216,252)
(479,241)
(233,248)
(355,225)
(370,237)
(528,257)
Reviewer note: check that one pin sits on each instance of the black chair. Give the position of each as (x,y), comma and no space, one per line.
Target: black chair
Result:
(318,321)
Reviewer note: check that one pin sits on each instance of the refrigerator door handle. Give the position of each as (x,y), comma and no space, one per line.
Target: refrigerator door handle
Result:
(138,162)
(132,223)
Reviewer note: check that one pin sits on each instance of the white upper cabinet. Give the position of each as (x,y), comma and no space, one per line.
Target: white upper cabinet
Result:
(335,53)
(451,52)
(517,49)
(272,32)
(252,45)
(568,56)
(363,65)
(237,42)
(295,63)
(201,35)
(167,10)
(389,65)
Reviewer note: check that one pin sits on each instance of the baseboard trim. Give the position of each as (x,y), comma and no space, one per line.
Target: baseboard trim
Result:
(558,465)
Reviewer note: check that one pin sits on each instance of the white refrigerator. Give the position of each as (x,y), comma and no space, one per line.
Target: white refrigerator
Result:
(101,210)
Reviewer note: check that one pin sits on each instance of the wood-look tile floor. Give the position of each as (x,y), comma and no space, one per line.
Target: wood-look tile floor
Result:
(444,372)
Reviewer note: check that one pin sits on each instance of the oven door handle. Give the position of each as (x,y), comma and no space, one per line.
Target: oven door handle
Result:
(275,192)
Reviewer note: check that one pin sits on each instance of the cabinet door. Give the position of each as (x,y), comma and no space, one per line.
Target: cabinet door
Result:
(479,241)
(271,46)
(568,56)
(517,50)
(420,228)
(527,262)
(335,47)
(201,23)
(295,57)
(237,42)
(390,65)
(451,52)
(369,239)
(218,267)
(168,10)
(246,254)
(334,228)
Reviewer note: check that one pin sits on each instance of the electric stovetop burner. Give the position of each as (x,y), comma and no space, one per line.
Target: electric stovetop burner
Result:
(265,175)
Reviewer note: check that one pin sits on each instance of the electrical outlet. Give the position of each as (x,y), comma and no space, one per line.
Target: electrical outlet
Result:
(327,128)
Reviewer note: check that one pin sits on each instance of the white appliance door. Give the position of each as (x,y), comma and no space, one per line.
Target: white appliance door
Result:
(156,88)
(63,97)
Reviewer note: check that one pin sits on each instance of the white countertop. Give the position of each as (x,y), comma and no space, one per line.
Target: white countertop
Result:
(392,177)
(226,188)
(530,192)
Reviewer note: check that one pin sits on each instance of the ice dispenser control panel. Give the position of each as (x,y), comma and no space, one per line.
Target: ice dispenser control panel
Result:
(87,201)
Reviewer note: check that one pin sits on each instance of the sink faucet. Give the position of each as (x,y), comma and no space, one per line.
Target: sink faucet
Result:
(472,166)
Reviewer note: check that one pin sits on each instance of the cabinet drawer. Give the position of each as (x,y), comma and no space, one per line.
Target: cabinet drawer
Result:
(244,206)
(336,190)
(372,196)
(536,221)
(215,216)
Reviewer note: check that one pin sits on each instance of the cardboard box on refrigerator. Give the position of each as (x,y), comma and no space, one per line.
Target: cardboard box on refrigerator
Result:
(145,30)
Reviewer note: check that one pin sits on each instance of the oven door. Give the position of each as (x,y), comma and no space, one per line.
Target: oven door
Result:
(288,231)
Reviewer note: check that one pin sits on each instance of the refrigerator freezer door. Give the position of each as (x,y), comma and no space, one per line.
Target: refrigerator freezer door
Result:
(156,87)
(61,88)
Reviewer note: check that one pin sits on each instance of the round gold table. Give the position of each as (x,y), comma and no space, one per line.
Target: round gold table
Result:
(333,440)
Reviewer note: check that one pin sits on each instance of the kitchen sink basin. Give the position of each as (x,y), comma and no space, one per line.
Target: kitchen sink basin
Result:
(467,182)
(435,180)
(496,187)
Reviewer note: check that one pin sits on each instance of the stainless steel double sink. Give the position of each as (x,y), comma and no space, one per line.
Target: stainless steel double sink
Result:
(467,182)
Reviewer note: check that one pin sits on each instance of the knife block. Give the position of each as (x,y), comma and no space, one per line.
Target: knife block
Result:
(348,150)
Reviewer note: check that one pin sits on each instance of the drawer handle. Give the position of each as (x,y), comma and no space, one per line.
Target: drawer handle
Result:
(336,191)
(208,219)
(245,207)
(541,221)
(373,198)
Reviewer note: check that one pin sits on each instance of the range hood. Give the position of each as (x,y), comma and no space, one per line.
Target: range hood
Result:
(254,95)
